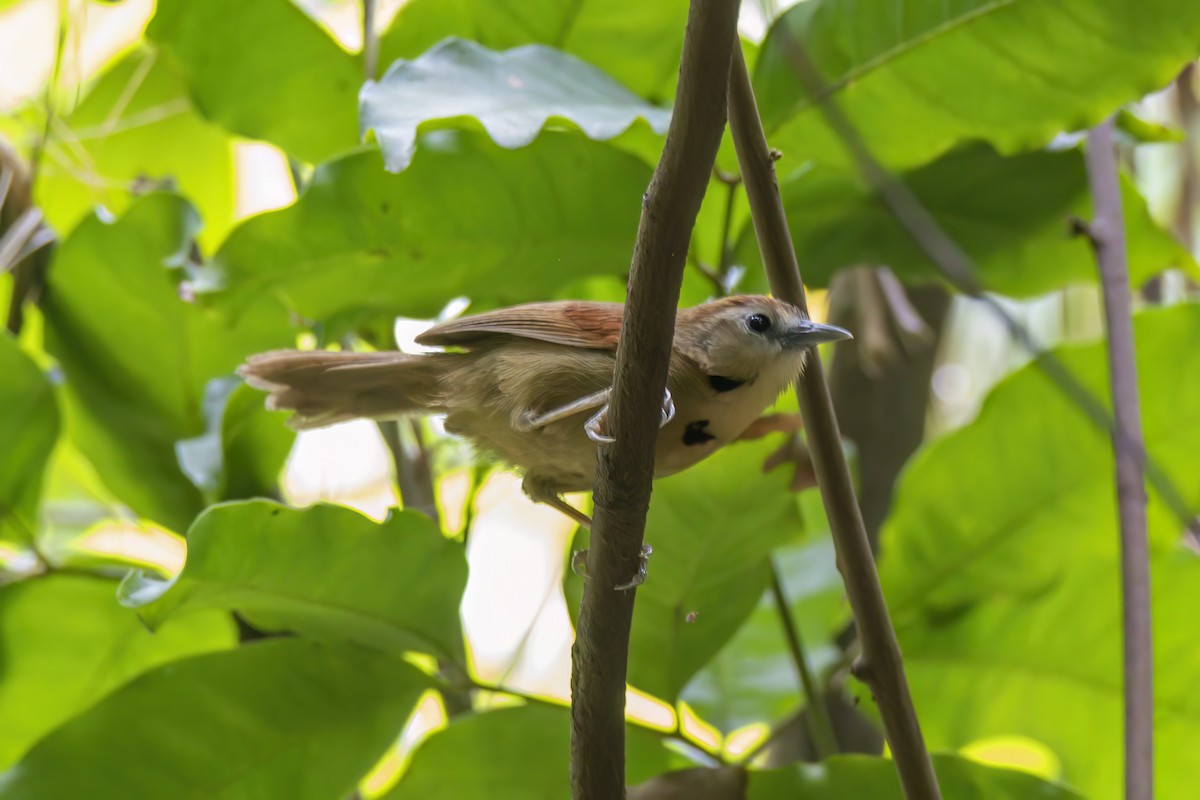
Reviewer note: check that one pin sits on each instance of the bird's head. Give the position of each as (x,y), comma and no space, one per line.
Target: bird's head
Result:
(744,336)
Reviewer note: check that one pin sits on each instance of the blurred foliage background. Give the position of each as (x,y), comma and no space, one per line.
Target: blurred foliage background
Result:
(195,601)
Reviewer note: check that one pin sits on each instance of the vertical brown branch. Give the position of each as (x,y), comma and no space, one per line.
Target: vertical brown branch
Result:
(881,666)
(1107,234)
(626,467)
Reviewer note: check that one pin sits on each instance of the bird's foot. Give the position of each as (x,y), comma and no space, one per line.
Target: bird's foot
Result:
(597,426)
(579,567)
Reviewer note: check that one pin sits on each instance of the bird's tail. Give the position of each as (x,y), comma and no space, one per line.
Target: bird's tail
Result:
(325,387)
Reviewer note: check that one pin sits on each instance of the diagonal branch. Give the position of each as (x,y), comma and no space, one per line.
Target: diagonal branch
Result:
(626,467)
(1107,235)
(880,665)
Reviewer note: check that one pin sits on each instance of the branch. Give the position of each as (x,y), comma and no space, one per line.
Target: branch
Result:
(824,739)
(1107,235)
(414,475)
(370,42)
(882,667)
(626,467)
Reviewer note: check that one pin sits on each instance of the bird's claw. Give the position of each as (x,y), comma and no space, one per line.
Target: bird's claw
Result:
(639,577)
(579,567)
(597,425)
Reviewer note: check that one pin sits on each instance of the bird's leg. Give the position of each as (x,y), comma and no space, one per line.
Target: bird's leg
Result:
(556,502)
(544,493)
(597,426)
(531,420)
(771,423)
(792,451)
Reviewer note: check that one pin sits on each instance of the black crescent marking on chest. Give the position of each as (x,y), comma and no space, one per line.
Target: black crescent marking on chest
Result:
(722,384)
(695,433)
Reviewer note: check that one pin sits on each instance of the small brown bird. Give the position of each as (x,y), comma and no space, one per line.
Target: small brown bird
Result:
(531,383)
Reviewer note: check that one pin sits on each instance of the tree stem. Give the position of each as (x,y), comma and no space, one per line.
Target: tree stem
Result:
(1107,235)
(881,667)
(820,727)
(370,42)
(626,467)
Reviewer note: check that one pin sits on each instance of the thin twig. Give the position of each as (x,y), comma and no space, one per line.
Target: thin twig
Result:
(881,666)
(414,473)
(626,467)
(1107,235)
(370,42)
(1189,174)
(957,267)
(824,738)
(676,732)
(39,147)
(725,260)
(14,240)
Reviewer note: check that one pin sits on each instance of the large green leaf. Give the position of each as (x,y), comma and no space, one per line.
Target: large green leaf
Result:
(467,218)
(326,571)
(28,429)
(242,451)
(137,126)
(712,529)
(281,718)
(512,94)
(137,356)
(1010,501)
(520,753)
(638,43)
(1048,667)
(264,70)
(255,444)
(863,777)
(65,643)
(1010,214)
(918,76)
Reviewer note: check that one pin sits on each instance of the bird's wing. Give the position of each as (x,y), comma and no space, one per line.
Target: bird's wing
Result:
(574,323)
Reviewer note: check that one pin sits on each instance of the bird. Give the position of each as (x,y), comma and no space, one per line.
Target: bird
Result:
(530,383)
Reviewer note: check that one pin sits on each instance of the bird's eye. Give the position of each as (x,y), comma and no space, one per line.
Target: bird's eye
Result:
(759,323)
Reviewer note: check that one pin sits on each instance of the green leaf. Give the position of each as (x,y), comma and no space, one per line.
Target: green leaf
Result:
(915,78)
(325,571)
(66,643)
(137,357)
(280,718)
(712,529)
(512,94)
(1009,502)
(266,71)
(637,43)
(136,127)
(243,449)
(1048,667)
(753,678)
(28,430)
(1016,230)
(861,777)
(467,218)
(255,444)
(520,753)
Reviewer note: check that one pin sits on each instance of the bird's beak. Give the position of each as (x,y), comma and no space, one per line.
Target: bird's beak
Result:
(809,334)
